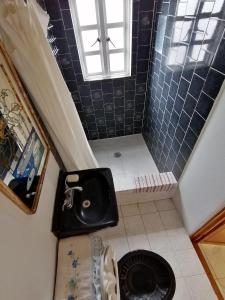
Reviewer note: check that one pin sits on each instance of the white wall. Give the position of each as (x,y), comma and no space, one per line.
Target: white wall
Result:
(27,246)
(202,185)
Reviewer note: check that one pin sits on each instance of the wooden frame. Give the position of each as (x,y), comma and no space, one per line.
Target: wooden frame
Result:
(33,118)
(200,236)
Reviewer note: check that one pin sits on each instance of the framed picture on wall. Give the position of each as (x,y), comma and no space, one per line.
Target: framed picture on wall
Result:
(24,148)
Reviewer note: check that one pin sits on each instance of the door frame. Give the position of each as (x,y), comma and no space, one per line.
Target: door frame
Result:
(199,236)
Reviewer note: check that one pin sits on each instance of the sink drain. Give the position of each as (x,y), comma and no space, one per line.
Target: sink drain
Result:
(86,203)
(117,154)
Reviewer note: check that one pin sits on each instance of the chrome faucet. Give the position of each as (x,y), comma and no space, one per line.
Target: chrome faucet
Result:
(69,193)
(68,189)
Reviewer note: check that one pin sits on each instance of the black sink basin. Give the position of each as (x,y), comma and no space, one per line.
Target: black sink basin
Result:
(90,205)
(94,206)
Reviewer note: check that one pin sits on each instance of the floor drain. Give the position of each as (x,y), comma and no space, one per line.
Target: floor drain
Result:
(117,154)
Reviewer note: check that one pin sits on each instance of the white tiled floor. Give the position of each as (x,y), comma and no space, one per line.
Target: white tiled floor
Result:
(135,160)
(156,226)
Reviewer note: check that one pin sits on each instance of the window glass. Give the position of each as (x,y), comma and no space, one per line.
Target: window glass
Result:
(218,6)
(86,16)
(211,28)
(103,31)
(116,62)
(181,9)
(181,54)
(191,7)
(176,35)
(116,37)
(90,42)
(207,7)
(195,51)
(114,11)
(186,29)
(93,64)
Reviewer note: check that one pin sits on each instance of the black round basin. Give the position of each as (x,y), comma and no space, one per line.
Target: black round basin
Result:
(145,275)
(90,205)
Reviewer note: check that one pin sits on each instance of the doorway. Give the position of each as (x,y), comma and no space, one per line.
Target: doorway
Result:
(209,243)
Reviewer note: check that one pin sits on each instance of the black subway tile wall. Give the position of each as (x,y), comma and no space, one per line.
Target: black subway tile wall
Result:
(178,67)
(187,71)
(107,108)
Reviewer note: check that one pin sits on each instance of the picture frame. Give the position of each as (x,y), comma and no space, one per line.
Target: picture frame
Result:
(24,148)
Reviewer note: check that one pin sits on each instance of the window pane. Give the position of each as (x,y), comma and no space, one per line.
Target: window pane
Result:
(181,54)
(89,38)
(211,28)
(114,11)
(207,7)
(171,59)
(116,37)
(186,29)
(86,12)
(176,35)
(202,24)
(191,7)
(116,62)
(181,9)
(218,6)
(195,52)
(93,64)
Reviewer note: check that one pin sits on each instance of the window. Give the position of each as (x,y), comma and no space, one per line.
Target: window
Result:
(103,34)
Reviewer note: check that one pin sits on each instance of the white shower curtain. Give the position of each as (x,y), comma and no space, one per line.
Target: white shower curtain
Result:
(25,41)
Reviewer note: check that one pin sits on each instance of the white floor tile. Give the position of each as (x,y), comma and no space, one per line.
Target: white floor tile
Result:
(164,204)
(189,262)
(152,222)
(159,241)
(200,288)
(179,239)
(120,212)
(155,225)
(120,245)
(170,258)
(134,225)
(137,242)
(146,208)
(129,235)
(171,219)
(114,232)
(130,210)
(181,292)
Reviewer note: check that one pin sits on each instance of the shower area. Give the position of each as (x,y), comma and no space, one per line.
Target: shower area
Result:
(149,122)
(126,156)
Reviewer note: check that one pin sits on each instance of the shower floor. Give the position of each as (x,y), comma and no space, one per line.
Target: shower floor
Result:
(135,159)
